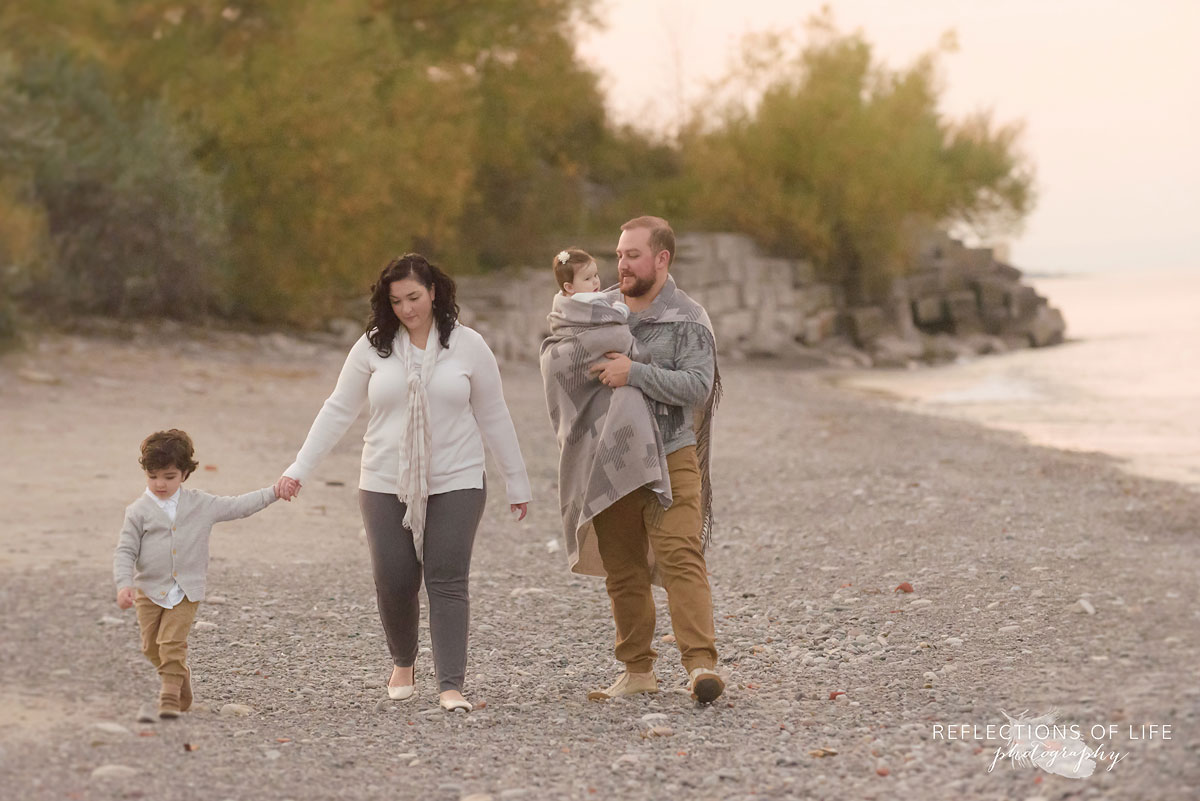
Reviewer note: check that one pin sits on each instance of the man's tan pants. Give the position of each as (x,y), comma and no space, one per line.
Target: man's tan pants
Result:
(622,532)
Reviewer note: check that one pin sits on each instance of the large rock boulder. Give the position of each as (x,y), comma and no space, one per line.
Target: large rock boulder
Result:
(1047,327)
(963,310)
(819,327)
(892,351)
(865,324)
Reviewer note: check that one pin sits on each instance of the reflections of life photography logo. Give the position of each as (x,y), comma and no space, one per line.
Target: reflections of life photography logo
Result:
(1044,743)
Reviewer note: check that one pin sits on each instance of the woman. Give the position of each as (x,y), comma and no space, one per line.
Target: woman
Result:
(434,394)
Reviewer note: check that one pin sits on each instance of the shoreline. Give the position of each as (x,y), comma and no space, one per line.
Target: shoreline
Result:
(1118,385)
(996,393)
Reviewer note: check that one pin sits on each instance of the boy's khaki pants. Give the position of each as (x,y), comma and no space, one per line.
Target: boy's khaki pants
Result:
(164,635)
(622,531)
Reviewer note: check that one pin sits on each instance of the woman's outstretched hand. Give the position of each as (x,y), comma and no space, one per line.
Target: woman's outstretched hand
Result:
(286,488)
(519,510)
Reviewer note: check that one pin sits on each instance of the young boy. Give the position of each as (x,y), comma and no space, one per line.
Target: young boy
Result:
(162,557)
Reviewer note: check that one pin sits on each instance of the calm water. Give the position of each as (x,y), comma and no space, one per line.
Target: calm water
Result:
(1127,383)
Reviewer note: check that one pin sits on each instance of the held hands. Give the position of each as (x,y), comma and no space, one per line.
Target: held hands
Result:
(519,510)
(613,373)
(286,488)
(125,597)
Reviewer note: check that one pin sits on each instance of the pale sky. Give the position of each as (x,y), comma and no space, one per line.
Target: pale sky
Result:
(1107,90)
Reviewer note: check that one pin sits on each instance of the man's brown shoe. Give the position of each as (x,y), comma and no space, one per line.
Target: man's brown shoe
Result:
(627,684)
(185,692)
(168,699)
(706,684)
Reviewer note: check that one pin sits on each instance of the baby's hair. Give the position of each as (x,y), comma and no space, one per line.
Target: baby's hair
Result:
(564,269)
(172,448)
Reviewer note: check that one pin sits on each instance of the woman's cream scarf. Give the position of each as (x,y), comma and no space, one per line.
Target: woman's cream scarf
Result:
(416,438)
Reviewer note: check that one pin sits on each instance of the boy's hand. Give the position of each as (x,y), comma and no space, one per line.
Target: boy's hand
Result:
(125,597)
(519,510)
(286,488)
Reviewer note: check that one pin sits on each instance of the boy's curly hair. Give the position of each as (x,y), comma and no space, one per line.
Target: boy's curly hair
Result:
(171,448)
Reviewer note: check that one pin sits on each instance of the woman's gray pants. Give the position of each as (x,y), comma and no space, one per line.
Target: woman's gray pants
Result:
(451,519)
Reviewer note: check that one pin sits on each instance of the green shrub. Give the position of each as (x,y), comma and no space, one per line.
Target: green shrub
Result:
(136,226)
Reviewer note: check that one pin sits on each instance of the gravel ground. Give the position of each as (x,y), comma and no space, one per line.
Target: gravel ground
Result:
(826,502)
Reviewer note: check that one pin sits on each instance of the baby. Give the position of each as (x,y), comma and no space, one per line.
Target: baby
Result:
(579,279)
(608,439)
(596,322)
(162,557)
(576,272)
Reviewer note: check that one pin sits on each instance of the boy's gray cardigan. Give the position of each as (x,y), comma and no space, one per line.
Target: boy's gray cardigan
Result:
(163,552)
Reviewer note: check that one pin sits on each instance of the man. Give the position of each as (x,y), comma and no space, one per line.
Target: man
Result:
(682,381)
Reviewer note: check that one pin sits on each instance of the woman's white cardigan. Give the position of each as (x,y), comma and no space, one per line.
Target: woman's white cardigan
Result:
(466,407)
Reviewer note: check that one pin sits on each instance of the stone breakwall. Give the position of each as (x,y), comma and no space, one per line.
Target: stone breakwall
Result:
(958,301)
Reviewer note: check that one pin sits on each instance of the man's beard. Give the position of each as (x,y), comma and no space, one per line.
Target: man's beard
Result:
(640,287)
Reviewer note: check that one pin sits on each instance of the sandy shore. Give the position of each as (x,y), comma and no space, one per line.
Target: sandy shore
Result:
(826,502)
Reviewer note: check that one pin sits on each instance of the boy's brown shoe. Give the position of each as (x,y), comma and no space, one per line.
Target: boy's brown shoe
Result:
(185,692)
(168,698)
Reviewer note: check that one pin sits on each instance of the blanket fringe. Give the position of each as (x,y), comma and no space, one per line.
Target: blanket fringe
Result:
(703,456)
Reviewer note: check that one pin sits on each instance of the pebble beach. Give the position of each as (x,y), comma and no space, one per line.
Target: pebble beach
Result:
(887,586)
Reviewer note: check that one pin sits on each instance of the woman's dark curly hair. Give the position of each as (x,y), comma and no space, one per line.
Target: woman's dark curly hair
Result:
(383,324)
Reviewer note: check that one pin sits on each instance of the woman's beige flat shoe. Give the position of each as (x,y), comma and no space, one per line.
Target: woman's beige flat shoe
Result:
(455,705)
(401,693)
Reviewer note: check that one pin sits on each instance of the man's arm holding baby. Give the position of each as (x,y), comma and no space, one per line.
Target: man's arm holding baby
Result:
(688,384)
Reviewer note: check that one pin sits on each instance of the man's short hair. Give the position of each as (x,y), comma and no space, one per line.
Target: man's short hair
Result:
(164,449)
(662,236)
